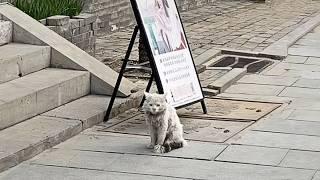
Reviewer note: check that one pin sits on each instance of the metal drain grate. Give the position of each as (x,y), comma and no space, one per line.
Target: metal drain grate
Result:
(253,65)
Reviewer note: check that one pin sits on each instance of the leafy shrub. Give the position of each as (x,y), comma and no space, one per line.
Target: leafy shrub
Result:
(40,9)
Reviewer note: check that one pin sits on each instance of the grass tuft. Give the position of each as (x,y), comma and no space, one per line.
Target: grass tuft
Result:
(40,9)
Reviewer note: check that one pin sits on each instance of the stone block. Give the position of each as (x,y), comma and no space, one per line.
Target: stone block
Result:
(78,109)
(74,23)
(30,93)
(296,59)
(313,60)
(43,21)
(85,29)
(21,59)
(280,140)
(5,32)
(58,20)
(206,56)
(38,172)
(255,89)
(182,168)
(252,155)
(227,79)
(31,137)
(305,115)
(297,92)
(302,159)
(268,80)
(308,83)
(88,18)
(289,126)
(132,144)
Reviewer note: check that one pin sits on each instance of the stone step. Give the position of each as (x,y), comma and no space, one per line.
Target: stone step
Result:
(38,92)
(5,32)
(228,79)
(29,138)
(17,60)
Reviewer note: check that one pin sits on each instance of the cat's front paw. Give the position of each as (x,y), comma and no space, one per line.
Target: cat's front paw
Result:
(158,149)
(150,146)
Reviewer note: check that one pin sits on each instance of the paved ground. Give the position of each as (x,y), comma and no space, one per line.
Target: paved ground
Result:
(236,24)
(283,145)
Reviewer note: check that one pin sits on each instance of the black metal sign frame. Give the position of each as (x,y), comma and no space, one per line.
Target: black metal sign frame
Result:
(155,73)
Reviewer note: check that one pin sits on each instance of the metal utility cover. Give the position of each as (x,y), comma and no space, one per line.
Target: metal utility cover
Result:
(194,129)
(232,110)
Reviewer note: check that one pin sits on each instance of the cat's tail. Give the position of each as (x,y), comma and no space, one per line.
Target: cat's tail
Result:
(169,146)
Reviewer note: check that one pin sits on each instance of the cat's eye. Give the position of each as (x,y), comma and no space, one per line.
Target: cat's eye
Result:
(150,104)
(158,105)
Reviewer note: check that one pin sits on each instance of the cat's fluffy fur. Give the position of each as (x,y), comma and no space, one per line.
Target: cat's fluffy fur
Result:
(165,129)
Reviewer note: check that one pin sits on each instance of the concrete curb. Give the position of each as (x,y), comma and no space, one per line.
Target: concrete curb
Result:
(280,48)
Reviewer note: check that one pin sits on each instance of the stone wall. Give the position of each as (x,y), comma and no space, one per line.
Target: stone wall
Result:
(81,30)
(115,14)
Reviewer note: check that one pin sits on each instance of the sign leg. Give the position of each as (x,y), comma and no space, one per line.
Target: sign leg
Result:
(123,67)
(147,89)
(204,107)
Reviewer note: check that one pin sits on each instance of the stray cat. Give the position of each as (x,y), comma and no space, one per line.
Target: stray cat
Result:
(165,129)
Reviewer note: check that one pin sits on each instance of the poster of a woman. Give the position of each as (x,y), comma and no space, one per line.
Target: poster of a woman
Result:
(170,52)
(163,26)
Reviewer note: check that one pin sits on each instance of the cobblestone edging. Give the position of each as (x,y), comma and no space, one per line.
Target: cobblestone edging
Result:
(114,15)
(80,30)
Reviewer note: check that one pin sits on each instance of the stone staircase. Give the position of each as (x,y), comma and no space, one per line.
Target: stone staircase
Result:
(41,106)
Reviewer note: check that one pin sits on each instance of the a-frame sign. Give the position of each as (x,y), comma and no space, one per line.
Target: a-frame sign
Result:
(170,57)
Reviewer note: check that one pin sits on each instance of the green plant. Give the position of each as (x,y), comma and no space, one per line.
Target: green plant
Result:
(39,9)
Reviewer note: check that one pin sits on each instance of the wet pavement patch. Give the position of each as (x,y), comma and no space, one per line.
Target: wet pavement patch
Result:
(194,129)
(253,65)
(229,110)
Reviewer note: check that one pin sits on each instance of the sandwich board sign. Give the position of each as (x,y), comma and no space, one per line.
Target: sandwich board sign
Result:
(168,51)
(160,21)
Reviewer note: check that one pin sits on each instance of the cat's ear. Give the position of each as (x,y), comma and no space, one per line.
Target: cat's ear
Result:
(146,94)
(165,95)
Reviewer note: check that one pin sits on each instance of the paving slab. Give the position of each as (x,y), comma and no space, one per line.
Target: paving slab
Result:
(282,68)
(31,137)
(305,104)
(258,98)
(252,155)
(295,59)
(165,166)
(302,159)
(280,140)
(40,172)
(313,60)
(79,110)
(298,92)
(304,51)
(305,41)
(268,80)
(289,126)
(255,89)
(227,79)
(229,110)
(194,129)
(131,144)
(305,115)
(301,74)
(316,176)
(307,83)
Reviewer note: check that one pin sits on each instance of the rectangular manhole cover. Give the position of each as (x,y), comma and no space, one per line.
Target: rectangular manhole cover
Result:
(253,65)
(194,129)
(234,110)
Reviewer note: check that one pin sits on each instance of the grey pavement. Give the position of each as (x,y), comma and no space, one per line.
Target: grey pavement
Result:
(237,24)
(284,144)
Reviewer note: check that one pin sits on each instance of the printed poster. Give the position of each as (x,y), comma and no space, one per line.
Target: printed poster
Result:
(170,50)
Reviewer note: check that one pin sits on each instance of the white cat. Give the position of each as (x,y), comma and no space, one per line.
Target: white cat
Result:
(165,129)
